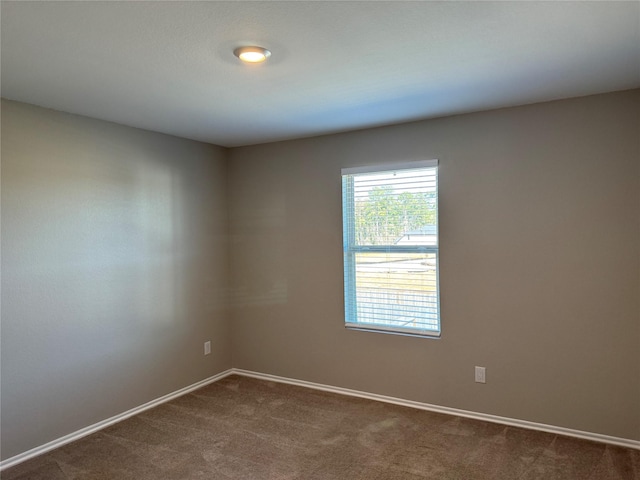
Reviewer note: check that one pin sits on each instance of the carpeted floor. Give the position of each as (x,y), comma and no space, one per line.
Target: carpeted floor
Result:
(242,428)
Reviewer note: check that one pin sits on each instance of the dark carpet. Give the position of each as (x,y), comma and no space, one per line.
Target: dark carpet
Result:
(242,428)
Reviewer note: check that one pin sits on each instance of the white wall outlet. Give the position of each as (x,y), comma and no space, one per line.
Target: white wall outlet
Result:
(207,348)
(481,375)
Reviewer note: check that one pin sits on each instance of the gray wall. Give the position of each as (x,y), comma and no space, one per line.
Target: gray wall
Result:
(540,263)
(114,270)
(115,266)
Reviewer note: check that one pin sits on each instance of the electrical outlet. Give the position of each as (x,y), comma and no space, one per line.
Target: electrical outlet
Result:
(481,375)
(207,348)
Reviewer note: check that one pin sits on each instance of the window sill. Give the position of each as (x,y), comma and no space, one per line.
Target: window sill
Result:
(434,335)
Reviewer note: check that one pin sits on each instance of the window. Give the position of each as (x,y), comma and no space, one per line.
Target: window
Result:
(390,234)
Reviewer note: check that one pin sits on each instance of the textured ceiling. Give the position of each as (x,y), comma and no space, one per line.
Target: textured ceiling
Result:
(336,66)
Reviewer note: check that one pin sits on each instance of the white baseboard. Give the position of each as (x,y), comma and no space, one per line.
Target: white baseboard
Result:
(83,432)
(34,452)
(514,422)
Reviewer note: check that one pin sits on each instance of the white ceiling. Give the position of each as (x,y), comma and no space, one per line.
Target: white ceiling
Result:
(336,66)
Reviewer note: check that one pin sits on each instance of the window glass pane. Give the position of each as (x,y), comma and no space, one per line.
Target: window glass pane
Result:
(391,207)
(397,289)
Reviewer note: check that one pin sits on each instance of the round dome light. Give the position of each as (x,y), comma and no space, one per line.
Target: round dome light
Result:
(252,54)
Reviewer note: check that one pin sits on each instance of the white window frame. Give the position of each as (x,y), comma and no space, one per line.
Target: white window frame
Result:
(350,249)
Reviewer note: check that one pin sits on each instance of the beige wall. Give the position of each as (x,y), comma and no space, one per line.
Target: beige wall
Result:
(540,263)
(114,268)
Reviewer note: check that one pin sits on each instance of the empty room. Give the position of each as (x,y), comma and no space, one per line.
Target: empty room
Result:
(320,240)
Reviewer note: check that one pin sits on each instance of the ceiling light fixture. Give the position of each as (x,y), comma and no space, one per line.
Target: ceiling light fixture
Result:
(252,54)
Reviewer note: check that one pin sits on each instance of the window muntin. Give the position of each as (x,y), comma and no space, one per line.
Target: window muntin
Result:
(390,236)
